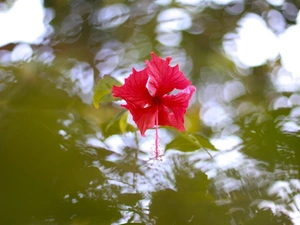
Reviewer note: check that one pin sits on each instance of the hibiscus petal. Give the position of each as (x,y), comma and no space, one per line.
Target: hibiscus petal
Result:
(176,105)
(166,118)
(134,90)
(163,77)
(143,117)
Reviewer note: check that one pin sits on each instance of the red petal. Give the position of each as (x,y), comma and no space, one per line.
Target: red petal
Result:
(166,118)
(164,78)
(134,91)
(143,117)
(177,104)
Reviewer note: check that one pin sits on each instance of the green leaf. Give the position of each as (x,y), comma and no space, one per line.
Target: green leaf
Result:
(204,142)
(102,91)
(117,125)
(123,122)
(120,118)
(186,141)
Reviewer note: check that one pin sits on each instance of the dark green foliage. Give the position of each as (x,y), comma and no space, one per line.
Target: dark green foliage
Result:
(102,91)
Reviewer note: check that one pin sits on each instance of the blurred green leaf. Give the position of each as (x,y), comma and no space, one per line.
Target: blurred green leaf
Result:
(117,125)
(123,122)
(186,141)
(102,91)
(121,119)
(204,142)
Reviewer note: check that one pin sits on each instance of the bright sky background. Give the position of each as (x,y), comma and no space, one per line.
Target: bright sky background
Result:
(23,22)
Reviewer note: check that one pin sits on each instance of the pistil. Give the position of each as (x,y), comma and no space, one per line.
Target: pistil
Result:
(156,133)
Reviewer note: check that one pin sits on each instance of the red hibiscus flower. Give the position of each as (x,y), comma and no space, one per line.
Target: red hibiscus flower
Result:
(148,98)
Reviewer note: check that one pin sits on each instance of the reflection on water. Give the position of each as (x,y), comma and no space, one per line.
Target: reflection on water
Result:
(64,162)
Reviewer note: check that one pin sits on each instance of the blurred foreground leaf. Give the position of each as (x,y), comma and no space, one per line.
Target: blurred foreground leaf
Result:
(186,141)
(117,125)
(102,91)
(189,204)
(120,119)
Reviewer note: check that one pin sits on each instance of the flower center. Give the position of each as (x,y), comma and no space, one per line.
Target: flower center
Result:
(156,100)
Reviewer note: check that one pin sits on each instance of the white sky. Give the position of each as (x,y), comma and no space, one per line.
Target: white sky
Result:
(290,48)
(23,22)
(254,43)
